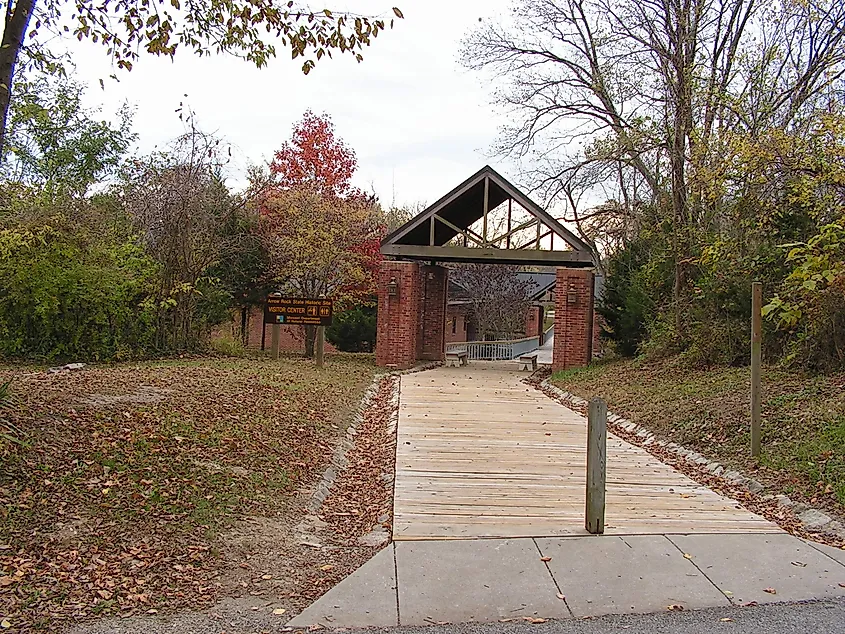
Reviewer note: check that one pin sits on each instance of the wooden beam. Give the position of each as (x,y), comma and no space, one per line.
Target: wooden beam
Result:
(756,357)
(577,259)
(486,208)
(596,466)
(537,239)
(431,232)
(466,232)
(508,241)
(520,227)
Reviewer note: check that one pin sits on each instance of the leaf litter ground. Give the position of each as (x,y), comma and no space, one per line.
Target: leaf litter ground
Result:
(155,487)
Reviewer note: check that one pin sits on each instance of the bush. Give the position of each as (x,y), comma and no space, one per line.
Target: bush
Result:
(626,304)
(228,346)
(69,295)
(354,330)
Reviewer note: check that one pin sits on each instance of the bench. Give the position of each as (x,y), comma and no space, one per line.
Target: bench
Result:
(528,361)
(456,358)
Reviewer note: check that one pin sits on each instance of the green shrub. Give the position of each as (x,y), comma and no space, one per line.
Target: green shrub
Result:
(354,330)
(228,346)
(68,295)
(626,303)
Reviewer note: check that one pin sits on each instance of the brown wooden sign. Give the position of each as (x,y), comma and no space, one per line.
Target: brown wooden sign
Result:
(297,311)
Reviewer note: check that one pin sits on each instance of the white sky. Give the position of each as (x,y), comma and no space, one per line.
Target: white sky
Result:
(418,122)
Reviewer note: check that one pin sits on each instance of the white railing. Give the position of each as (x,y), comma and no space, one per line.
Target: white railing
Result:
(549,331)
(495,350)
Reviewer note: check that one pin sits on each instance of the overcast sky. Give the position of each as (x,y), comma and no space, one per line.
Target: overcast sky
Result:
(418,122)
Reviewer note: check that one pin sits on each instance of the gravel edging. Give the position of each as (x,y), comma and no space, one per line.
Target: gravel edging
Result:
(339,460)
(794,517)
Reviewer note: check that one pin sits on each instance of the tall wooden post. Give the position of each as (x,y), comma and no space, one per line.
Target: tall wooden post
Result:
(756,359)
(485,210)
(321,344)
(596,466)
(275,339)
(276,336)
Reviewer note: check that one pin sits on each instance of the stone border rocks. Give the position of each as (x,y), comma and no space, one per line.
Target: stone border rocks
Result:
(339,461)
(793,517)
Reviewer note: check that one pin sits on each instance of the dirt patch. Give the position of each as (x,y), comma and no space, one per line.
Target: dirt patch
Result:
(143,395)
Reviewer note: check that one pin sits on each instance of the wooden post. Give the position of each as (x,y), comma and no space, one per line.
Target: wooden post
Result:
(275,339)
(756,358)
(321,345)
(486,209)
(508,239)
(596,465)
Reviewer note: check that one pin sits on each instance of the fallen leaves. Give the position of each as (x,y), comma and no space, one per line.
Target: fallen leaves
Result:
(675,608)
(134,469)
(279,611)
(359,498)
(770,590)
(533,619)
(687,556)
(726,619)
(799,564)
(546,559)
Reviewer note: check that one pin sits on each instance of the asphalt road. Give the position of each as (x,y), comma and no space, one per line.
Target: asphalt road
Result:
(822,617)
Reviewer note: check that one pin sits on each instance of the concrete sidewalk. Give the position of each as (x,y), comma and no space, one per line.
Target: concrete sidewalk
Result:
(482,580)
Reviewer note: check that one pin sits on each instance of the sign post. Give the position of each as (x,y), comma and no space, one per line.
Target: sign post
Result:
(275,339)
(276,336)
(756,354)
(298,311)
(321,345)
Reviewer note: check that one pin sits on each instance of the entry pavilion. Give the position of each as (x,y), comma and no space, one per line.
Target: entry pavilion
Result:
(484,219)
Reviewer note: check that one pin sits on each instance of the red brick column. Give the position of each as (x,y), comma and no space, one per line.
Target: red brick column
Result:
(398,315)
(573,346)
(431,341)
(533,321)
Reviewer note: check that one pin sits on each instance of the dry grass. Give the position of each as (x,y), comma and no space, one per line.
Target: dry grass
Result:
(708,410)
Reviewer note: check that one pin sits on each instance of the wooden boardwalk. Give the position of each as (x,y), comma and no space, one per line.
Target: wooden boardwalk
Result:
(481,454)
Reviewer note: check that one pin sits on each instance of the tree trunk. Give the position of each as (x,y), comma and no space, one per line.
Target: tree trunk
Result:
(310,338)
(14,32)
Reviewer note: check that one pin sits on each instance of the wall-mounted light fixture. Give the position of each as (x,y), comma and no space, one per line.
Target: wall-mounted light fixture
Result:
(392,287)
(571,295)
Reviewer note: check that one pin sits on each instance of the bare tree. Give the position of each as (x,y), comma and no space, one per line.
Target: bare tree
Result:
(179,203)
(649,92)
(498,296)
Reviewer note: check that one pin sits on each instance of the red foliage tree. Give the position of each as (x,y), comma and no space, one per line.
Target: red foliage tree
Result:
(317,158)
(321,233)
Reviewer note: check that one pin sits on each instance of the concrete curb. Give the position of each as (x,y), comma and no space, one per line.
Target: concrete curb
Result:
(813,520)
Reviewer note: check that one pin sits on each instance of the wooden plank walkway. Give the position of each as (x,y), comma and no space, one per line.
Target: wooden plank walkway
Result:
(481,454)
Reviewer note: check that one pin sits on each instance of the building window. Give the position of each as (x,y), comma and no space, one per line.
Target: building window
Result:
(454,325)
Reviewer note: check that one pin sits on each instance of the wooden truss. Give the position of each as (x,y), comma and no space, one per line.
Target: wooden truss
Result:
(431,235)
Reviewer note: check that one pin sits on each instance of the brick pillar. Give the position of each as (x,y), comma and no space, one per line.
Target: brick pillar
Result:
(573,347)
(533,321)
(597,324)
(398,315)
(431,341)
